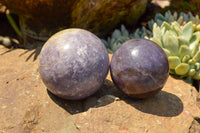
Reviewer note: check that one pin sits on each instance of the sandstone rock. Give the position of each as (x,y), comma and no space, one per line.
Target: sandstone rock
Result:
(24,103)
(172,110)
(195,128)
(27,106)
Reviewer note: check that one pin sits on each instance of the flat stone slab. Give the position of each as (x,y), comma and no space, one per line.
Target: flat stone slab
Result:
(27,106)
(170,111)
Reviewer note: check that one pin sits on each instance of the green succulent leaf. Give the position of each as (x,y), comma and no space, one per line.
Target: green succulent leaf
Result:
(197,34)
(196,75)
(192,66)
(115,43)
(115,46)
(196,57)
(188,30)
(159,16)
(109,39)
(186,58)
(156,40)
(167,15)
(144,33)
(159,22)
(174,61)
(116,34)
(182,69)
(166,26)
(109,51)
(171,19)
(112,41)
(150,24)
(196,21)
(105,43)
(170,42)
(175,15)
(194,45)
(136,35)
(182,41)
(197,66)
(191,62)
(143,29)
(167,52)
(185,18)
(191,72)
(156,31)
(176,28)
(124,31)
(180,20)
(184,50)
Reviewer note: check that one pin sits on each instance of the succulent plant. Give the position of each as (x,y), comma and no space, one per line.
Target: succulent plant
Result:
(182,46)
(119,36)
(178,35)
(169,17)
(116,39)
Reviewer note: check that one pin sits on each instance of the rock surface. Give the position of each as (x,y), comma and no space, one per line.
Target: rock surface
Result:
(26,105)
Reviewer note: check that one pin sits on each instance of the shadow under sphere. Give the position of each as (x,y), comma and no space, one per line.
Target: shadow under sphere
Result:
(163,104)
(79,106)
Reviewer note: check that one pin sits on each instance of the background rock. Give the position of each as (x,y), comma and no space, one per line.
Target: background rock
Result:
(27,106)
(44,18)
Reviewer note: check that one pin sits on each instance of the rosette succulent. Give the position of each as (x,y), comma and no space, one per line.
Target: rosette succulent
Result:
(181,45)
(119,36)
(169,17)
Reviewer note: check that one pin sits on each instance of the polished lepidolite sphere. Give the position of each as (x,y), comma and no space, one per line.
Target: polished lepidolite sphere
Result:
(139,68)
(73,64)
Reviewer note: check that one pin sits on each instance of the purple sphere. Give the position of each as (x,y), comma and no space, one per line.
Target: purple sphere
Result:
(139,68)
(73,64)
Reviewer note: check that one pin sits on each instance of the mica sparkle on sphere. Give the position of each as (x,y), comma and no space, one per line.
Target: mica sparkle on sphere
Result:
(139,67)
(73,64)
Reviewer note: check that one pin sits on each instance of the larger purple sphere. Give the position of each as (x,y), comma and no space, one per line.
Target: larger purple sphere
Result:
(139,68)
(73,64)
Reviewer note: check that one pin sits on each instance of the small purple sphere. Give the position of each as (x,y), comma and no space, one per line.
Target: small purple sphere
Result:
(139,67)
(73,64)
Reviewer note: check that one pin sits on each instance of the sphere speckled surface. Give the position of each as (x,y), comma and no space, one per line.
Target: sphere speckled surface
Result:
(73,64)
(139,67)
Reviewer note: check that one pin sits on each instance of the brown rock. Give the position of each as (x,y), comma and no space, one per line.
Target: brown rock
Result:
(195,127)
(27,106)
(24,103)
(172,110)
(44,18)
